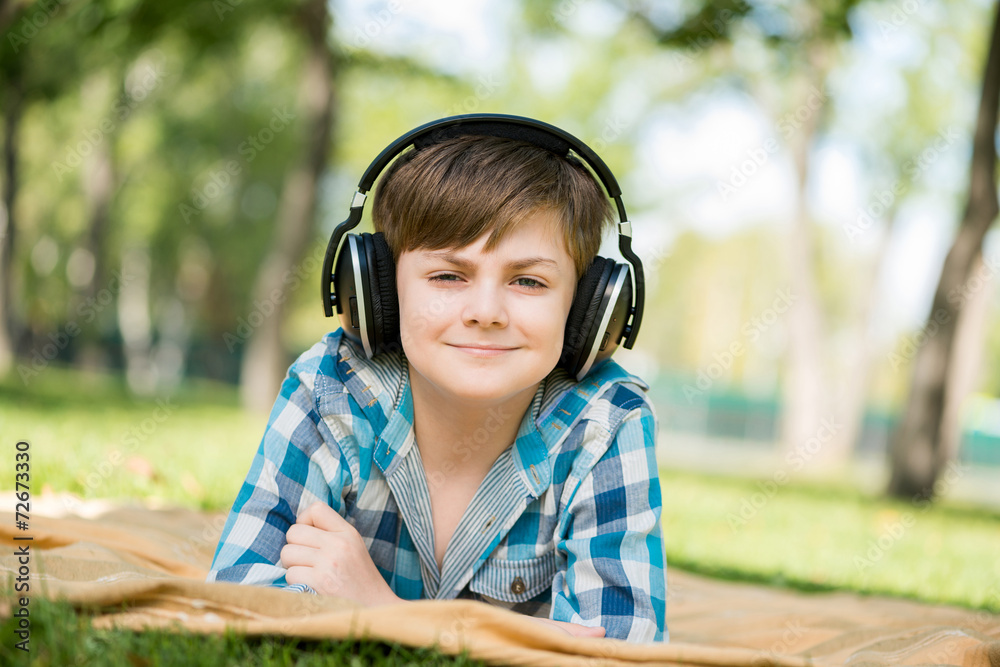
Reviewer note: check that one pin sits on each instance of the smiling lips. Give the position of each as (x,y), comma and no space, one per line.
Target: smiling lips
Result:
(484,351)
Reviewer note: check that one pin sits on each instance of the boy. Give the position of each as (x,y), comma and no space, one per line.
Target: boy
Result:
(466,464)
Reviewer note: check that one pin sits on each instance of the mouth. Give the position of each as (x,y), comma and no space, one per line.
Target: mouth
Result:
(484,351)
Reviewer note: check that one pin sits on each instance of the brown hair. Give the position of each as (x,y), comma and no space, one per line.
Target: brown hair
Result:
(449,194)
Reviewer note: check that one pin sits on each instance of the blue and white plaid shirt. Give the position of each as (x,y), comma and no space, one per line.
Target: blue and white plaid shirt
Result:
(566,524)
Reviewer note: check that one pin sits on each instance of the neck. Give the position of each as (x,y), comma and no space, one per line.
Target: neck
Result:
(464,438)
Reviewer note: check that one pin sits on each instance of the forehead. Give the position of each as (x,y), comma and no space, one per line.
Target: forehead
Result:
(539,235)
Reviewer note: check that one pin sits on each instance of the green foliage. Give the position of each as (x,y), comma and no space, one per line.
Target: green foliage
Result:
(225,66)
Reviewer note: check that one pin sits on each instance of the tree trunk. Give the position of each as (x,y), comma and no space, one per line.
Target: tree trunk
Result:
(854,386)
(99,180)
(135,322)
(264,362)
(916,453)
(807,398)
(99,184)
(963,371)
(12,119)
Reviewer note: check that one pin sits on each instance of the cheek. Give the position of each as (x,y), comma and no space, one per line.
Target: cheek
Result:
(411,323)
(547,320)
(422,312)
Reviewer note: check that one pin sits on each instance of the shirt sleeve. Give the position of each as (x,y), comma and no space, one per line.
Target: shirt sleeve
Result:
(615,562)
(297,463)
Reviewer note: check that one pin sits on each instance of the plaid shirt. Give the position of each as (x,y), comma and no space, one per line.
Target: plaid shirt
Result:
(566,524)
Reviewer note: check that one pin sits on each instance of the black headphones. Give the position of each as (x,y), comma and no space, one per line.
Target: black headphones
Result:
(362,287)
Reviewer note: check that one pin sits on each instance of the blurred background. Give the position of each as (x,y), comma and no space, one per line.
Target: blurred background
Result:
(796,173)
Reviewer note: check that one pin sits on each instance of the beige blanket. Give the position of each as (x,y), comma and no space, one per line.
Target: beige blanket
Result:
(156,561)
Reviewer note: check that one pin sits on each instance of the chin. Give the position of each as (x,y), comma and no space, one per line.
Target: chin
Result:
(486,384)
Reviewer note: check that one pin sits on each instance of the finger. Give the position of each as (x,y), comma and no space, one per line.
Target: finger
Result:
(578,630)
(293,555)
(550,623)
(575,629)
(325,517)
(305,535)
(300,575)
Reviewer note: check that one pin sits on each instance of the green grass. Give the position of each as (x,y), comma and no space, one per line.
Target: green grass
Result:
(814,536)
(807,535)
(61,638)
(89,437)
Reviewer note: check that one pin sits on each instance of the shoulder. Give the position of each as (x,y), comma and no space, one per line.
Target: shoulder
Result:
(321,368)
(319,361)
(606,396)
(606,440)
(346,387)
(608,408)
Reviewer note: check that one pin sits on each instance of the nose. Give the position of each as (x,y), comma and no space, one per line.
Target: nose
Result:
(485,306)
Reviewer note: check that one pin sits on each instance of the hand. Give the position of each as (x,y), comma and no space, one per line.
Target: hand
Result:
(574,629)
(328,554)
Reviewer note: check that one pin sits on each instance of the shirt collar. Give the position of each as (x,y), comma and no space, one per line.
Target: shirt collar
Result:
(381,388)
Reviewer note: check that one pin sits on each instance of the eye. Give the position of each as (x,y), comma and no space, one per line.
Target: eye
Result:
(530,283)
(445,278)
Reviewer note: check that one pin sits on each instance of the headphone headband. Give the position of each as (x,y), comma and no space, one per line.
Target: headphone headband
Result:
(520,128)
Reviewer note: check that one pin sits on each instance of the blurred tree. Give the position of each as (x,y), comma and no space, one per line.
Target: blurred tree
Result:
(919,451)
(897,137)
(28,72)
(264,362)
(12,105)
(802,42)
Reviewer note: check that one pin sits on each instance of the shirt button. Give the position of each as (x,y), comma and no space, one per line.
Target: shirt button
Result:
(517,586)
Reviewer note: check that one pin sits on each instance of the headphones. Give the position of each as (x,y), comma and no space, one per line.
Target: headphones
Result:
(361,283)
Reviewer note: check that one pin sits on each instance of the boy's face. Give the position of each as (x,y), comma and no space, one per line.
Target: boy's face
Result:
(485,327)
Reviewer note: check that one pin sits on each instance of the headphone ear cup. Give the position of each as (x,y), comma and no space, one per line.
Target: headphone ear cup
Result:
(583,312)
(384,285)
(372,294)
(612,319)
(597,319)
(350,278)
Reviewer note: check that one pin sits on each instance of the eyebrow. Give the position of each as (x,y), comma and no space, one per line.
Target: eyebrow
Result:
(516,265)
